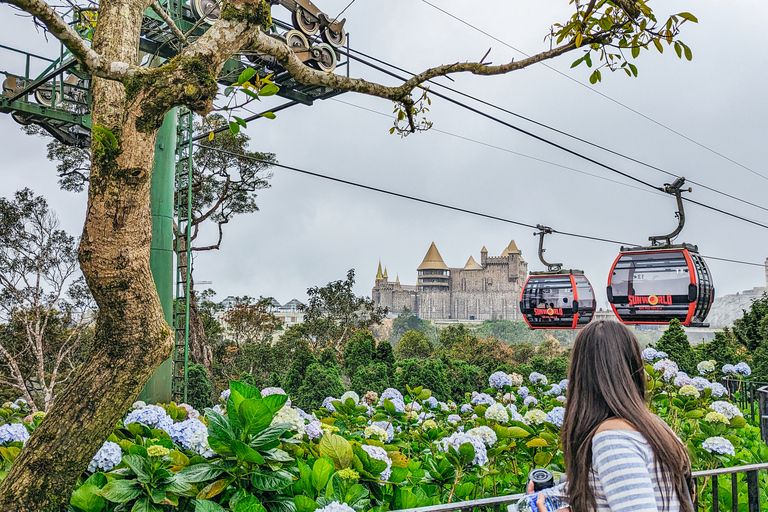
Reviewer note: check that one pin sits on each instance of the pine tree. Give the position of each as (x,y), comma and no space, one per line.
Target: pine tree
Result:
(358,351)
(302,359)
(384,354)
(374,377)
(199,387)
(675,343)
(320,382)
(414,344)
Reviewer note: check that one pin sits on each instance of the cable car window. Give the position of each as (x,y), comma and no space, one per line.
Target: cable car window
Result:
(651,274)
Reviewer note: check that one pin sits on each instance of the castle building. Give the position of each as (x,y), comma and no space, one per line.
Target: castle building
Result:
(477,291)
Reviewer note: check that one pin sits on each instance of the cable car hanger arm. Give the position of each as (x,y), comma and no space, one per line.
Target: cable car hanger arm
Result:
(676,190)
(544,230)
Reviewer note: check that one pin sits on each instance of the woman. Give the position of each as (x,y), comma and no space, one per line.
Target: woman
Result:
(619,457)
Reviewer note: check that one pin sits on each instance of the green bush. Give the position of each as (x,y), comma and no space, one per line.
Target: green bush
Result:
(675,343)
(199,387)
(384,354)
(328,357)
(462,378)
(429,373)
(414,344)
(555,368)
(358,351)
(723,350)
(374,377)
(319,383)
(302,359)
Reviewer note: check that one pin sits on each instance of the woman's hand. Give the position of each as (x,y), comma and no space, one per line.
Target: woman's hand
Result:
(539,499)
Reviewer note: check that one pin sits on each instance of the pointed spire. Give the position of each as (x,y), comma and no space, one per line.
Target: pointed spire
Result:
(472,264)
(433,260)
(484,250)
(511,249)
(379,275)
(385,273)
(397,279)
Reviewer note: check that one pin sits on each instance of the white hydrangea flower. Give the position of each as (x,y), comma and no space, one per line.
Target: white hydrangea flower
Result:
(108,456)
(375,431)
(727,409)
(538,378)
(378,453)
(719,445)
(535,416)
(290,416)
(485,433)
(498,380)
(456,439)
(497,412)
(453,419)
(350,394)
(386,427)
(517,379)
(335,506)
(314,430)
(706,367)
(689,390)
(716,417)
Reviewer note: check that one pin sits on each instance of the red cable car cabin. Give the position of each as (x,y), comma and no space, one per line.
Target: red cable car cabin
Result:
(654,286)
(557,301)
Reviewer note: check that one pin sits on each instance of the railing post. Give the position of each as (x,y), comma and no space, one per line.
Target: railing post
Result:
(762,399)
(753,491)
(715,497)
(734,492)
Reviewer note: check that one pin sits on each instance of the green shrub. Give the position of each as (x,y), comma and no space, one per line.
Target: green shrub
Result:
(429,373)
(319,383)
(374,377)
(723,350)
(302,359)
(555,368)
(463,378)
(328,358)
(414,344)
(358,351)
(199,387)
(384,354)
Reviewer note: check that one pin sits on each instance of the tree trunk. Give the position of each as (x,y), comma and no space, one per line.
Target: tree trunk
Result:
(131,335)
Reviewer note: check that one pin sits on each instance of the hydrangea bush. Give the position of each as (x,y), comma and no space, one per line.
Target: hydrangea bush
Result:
(400,449)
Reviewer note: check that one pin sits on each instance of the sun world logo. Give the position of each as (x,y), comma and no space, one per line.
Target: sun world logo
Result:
(548,311)
(651,300)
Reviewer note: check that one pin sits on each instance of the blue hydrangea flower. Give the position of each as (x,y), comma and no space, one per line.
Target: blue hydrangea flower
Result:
(483,399)
(313,430)
(563,385)
(13,433)
(467,408)
(191,434)
(560,399)
(718,389)
(454,419)
(335,506)
(538,378)
(530,400)
(387,427)
(682,379)
(458,438)
(700,383)
(378,453)
(225,394)
(719,445)
(304,415)
(18,404)
(554,390)
(556,415)
(152,416)
(498,380)
(432,402)
(729,368)
(523,392)
(649,354)
(743,369)
(391,393)
(327,403)
(667,368)
(661,354)
(108,456)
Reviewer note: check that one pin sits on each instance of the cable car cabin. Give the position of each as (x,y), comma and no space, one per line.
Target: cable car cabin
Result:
(655,285)
(557,301)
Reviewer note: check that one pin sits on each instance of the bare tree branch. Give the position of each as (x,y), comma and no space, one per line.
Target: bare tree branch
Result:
(168,21)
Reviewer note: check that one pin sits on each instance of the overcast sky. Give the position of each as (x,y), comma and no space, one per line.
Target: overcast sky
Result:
(310,231)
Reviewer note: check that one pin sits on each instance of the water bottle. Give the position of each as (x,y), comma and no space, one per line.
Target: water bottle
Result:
(542,479)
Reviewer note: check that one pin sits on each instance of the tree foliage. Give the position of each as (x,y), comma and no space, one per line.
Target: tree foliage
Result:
(429,373)
(675,343)
(320,382)
(359,351)
(407,321)
(374,377)
(250,321)
(414,344)
(199,387)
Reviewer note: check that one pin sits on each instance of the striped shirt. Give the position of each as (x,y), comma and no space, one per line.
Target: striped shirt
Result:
(624,477)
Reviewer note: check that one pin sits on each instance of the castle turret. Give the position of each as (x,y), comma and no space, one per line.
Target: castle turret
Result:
(472,264)
(511,249)
(483,256)
(379,275)
(386,278)
(433,272)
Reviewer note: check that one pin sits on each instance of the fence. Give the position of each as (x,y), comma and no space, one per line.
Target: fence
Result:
(706,482)
(752,395)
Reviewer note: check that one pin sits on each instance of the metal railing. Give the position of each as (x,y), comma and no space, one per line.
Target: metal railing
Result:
(744,393)
(704,481)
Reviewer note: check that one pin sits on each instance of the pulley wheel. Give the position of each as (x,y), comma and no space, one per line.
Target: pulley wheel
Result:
(296,40)
(333,37)
(10,85)
(324,57)
(206,10)
(305,21)
(46,96)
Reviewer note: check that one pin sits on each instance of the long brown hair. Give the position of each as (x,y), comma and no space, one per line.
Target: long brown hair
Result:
(607,380)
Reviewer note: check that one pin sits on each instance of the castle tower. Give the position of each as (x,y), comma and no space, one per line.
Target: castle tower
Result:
(472,264)
(510,250)
(483,256)
(433,272)
(386,278)
(379,275)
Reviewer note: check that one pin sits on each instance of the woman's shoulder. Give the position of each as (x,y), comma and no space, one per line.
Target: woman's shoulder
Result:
(615,424)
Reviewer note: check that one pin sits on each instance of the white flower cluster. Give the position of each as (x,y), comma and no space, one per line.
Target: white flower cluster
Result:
(350,394)
(335,506)
(517,379)
(706,367)
(375,431)
(485,433)
(393,396)
(682,379)
(716,417)
(433,403)
(108,456)
(498,380)
(538,378)
(689,390)
(727,409)
(523,392)
(530,400)
(290,416)
(563,385)
(224,396)
(497,412)
(378,453)
(554,390)
(454,419)
(728,369)
(466,408)
(535,416)
(18,404)
(152,416)
(509,397)
(743,369)
(191,411)
(456,439)
(513,414)
(719,445)
(386,427)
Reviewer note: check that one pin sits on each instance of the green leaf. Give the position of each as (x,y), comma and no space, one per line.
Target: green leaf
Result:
(218,425)
(275,402)
(338,449)
(139,465)
(738,422)
(305,504)
(594,77)
(635,51)
(542,459)
(249,504)
(694,414)
(234,127)
(269,115)
(240,121)
(657,44)
(518,433)
(688,16)
(321,472)
(208,506)
(687,51)
(87,499)
(269,435)
(269,89)
(246,75)
(121,491)
(389,406)
(578,39)
(144,505)
(200,473)
(213,489)
(466,453)
(245,452)
(266,480)
(255,415)
(465,489)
